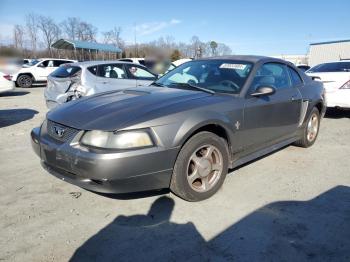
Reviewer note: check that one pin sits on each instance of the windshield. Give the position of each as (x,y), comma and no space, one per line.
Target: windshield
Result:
(66,71)
(223,76)
(331,67)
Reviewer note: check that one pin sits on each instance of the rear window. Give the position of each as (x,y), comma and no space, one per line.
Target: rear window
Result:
(93,70)
(331,67)
(66,71)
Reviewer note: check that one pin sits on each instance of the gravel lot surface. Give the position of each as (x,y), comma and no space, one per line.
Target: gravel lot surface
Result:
(293,205)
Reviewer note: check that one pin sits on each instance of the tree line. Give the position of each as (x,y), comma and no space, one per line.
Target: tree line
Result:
(35,36)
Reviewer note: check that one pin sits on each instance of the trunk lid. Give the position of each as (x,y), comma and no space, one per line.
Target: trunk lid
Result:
(332,81)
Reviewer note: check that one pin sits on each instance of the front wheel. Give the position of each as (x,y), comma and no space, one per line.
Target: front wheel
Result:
(310,131)
(201,167)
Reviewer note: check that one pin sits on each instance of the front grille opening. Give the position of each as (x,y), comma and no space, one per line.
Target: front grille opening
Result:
(61,132)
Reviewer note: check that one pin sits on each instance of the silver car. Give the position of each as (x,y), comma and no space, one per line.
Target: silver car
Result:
(75,80)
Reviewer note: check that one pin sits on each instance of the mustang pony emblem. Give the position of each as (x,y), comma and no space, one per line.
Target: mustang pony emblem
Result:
(59,131)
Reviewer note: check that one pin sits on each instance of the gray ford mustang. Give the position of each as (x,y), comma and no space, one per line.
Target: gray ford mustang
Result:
(185,130)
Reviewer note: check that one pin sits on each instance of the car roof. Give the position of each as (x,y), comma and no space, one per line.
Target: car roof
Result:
(93,63)
(247,58)
(50,58)
(339,61)
(132,58)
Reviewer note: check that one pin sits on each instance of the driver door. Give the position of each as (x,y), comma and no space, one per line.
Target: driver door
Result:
(271,118)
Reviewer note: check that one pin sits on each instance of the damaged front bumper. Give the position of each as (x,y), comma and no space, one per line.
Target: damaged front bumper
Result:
(105,172)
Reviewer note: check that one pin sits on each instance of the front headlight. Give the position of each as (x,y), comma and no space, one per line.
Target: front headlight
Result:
(118,140)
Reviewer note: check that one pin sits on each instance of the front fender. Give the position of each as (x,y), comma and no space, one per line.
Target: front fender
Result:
(198,121)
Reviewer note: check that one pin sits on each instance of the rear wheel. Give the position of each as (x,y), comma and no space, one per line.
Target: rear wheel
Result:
(201,167)
(24,81)
(311,129)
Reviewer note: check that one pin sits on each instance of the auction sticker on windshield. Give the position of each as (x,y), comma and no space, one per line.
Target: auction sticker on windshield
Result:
(234,66)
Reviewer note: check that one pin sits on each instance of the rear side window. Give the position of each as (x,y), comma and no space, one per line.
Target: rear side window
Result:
(66,71)
(115,71)
(92,70)
(295,77)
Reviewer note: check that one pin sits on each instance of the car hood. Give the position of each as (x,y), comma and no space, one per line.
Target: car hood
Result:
(114,110)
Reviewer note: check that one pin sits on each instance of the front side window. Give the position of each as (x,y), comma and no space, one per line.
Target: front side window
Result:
(140,73)
(57,63)
(272,74)
(33,62)
(115,71)
(223,76)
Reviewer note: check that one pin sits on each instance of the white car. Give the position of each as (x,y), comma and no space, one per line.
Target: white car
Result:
(177,63)
(336,80)
(5,83)
(72,81)
(37,70)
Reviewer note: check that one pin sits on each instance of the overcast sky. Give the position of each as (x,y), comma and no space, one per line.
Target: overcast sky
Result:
(267,27)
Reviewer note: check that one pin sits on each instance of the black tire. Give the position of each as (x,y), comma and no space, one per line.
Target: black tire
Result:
(179,183)
(24,81)
(304,141)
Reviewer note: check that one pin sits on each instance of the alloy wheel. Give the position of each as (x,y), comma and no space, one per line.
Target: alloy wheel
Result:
(204,168)
(312,128)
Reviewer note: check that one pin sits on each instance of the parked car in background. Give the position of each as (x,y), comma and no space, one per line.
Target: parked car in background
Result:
(303,68)
(147,62)
(26,61)
(9,65)
(5,83)
(72,81)
(336,80)
(37,70)
(183,132)
(178,62)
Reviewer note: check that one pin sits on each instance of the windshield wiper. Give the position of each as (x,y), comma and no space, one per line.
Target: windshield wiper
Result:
(157,84)
(194,87)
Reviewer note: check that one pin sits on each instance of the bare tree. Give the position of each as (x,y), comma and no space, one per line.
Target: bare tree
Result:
(70,27)
(113,37)
(86,32)
(49,30)
(18,37)
(31,28)
(223,49)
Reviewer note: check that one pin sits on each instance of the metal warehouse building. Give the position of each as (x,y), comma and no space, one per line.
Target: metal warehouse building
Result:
(329,51)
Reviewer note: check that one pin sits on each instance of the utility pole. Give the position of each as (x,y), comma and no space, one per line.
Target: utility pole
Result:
(135,43)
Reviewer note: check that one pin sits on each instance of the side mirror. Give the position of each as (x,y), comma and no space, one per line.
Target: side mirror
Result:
(41,65)
(263,91)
